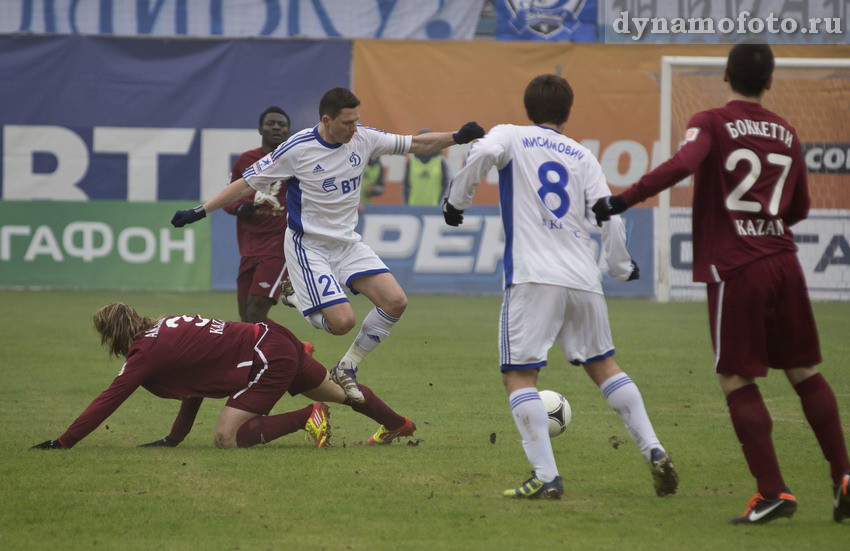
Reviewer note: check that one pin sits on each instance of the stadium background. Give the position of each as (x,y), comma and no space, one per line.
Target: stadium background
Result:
(104,136)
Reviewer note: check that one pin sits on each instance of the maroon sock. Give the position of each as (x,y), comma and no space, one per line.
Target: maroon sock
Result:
(376,409)
(263,429)
(821,409)
(753,426)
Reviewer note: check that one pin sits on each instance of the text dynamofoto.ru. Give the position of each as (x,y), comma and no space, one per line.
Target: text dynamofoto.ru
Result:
(743,24)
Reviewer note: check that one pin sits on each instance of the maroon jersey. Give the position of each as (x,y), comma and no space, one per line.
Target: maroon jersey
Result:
(179,357)
(262,234)
(749,186)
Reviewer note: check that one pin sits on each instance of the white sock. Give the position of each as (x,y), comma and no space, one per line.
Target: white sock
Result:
(533,424)
(375,328)
(624,397)
(317,320)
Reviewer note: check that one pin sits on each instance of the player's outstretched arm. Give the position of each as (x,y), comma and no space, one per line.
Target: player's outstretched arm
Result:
(228,194)
(432,142)
(182,424)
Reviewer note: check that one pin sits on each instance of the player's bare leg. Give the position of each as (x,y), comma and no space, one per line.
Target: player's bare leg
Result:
(625,398)
(229,422)
(338,319)
(390,302)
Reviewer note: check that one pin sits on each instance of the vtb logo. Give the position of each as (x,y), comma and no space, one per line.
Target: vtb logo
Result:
(355,159)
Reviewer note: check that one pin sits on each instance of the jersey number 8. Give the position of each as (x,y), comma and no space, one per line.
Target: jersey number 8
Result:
(558,187)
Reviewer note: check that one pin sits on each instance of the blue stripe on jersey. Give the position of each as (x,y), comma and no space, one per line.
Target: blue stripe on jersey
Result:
(290,143)
(309,311)
(281,149)
(506,202)
(505,337)
(306,272)
(293,205)
(323,142)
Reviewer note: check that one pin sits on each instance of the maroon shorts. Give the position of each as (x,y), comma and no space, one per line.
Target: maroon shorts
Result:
(280,365)
(762,318)
(259,275)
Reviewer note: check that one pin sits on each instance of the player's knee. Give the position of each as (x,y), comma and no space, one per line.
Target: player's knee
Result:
(396,305)
(342,324)
(223,440)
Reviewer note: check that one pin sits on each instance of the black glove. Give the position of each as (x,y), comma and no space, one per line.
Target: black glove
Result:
(163,443)
(607,207)
(453,216)
(468,132)
(49,445)
(246,210)
(635,271)
(183,217)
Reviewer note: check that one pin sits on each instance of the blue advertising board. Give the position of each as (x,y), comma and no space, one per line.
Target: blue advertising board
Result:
(427,256)
(147,119)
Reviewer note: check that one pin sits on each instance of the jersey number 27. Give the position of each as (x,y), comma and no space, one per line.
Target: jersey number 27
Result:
(735,200)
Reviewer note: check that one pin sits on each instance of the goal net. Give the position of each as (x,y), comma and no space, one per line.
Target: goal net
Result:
(813,95)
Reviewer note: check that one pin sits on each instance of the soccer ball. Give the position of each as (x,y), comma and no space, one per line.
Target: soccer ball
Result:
(559,411)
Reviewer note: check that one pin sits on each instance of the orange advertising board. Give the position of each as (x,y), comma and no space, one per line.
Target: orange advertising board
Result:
(407,85)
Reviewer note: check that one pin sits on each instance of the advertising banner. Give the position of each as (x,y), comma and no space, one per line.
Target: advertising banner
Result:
(615,112)
(823,240)
(427,256)
(146,119)
(407,19)
(100,245)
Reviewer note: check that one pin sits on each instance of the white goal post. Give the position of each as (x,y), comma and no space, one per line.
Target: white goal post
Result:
(813,94)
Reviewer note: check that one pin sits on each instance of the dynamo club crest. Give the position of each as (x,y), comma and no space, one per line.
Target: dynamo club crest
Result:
(545,20)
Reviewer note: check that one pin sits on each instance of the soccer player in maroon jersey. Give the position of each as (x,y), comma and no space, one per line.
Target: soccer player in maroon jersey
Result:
(190,358)
(749,188)
(260,224)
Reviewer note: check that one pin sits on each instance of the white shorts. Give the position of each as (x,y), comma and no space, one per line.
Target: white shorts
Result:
(534,316)
(316,268)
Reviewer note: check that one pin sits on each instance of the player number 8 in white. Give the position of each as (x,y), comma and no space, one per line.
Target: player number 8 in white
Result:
(735,199)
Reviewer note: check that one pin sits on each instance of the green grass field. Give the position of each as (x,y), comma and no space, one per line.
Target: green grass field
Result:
(439,367)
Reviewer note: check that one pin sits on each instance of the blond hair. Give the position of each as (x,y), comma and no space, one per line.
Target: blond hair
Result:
(118,326)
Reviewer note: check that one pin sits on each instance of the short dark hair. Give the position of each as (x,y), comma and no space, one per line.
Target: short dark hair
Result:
(335,100)
(548,99)
(750,67)
(274,109)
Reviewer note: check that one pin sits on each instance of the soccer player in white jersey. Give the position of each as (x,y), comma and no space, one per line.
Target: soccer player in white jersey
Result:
(322,167)
(553,292)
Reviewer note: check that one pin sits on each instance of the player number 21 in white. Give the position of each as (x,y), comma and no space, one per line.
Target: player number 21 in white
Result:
(735,199)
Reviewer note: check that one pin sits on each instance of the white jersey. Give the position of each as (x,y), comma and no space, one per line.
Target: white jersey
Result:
(548,184)
(322,179)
